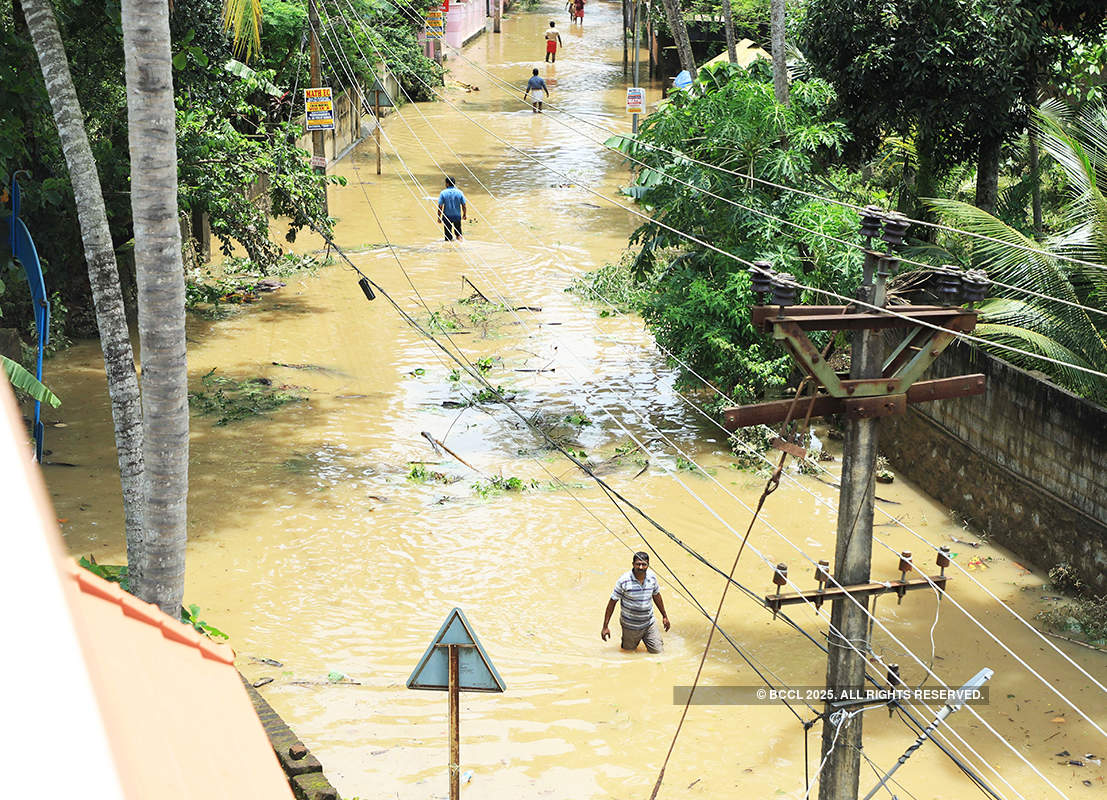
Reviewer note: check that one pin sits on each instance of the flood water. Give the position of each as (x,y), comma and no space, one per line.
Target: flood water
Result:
(310,546)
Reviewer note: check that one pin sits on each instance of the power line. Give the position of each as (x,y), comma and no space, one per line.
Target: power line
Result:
(447,336)
(772,184)
(734,257)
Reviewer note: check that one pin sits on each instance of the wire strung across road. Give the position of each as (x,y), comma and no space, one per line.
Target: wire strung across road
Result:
(734,257)
(1046,683)
(941,269)
(690,596)
(747,176)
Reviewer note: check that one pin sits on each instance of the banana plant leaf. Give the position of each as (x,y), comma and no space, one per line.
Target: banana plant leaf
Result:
(22,379)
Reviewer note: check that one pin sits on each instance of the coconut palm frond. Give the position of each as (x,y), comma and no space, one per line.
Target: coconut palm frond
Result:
(243,19)
(1091,129)
(1007,255)
(1087,385)
(1052,320)
(1070,154)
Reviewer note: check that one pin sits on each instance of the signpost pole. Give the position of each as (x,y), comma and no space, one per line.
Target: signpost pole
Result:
(377,127)
(634,117)
(318,148)
(455,713)
(498,10)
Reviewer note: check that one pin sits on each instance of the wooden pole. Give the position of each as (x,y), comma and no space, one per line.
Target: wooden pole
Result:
(455,713)
(377,128)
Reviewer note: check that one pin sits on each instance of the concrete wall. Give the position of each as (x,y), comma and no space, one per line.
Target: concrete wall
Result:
(466,20)
(1026,462)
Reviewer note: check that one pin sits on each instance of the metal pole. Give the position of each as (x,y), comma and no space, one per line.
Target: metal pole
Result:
(377,127)
(963,694)
(318,148)
(498,11)
(845,670)
(634,117)
(455,709)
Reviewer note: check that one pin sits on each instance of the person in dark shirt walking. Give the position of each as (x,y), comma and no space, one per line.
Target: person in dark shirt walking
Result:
(535,87)
(451,210)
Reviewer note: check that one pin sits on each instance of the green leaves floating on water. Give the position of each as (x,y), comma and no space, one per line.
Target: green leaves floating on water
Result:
(231,399)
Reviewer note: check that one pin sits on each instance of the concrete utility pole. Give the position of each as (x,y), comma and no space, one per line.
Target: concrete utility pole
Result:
(876,386)
(845,666)
(318,148)
(498,10)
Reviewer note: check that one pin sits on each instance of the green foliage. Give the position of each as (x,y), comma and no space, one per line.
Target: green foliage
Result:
(953,76)
(695,300)
(420,474)
(23,380)
(1082,614)
(191,616)
(612,285)
(224,151)
(498,484)
(1078,143)
(232,400)
(109,572)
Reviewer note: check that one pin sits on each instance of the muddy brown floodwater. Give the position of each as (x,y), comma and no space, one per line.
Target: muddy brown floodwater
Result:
(310,546)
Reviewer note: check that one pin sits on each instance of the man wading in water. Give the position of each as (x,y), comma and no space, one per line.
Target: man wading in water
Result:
(451,210)
(553,39)
(636,591)
(535,87)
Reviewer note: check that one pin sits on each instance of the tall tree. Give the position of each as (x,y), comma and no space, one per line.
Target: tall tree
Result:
(152,137)
(780,62)
(953,75)
(103,272)
(728,25)
(680,35)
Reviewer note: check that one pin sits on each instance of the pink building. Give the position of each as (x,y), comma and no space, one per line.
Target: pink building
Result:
(466,20)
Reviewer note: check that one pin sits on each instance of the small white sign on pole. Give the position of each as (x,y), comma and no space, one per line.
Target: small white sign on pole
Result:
(636,100)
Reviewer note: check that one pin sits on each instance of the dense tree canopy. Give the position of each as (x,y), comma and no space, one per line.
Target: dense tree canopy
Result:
(234,124)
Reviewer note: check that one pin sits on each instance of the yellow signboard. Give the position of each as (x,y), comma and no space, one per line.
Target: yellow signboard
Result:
(319,109)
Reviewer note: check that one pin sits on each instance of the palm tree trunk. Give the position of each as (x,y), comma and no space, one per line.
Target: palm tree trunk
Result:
(151,117)
(103,272)
(728,26)
(680,36)
(780,63)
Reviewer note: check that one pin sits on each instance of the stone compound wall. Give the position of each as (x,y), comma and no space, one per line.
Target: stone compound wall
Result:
(1026,462)
(304,772)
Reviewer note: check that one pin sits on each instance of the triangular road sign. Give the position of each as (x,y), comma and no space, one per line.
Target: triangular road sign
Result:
(476,673)
(379,94)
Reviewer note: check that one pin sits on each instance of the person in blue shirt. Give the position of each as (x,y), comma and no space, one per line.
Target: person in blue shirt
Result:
(451,210)
(535,87)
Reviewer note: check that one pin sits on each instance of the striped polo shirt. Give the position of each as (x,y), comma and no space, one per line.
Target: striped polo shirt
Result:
(636,600)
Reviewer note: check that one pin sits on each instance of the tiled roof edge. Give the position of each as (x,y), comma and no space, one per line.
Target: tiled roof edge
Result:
(147,613)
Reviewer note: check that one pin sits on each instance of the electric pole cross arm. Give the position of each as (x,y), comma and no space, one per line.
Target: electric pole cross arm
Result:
(878,385)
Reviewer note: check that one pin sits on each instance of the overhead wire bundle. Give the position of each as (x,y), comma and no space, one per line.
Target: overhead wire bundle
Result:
(476,373)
